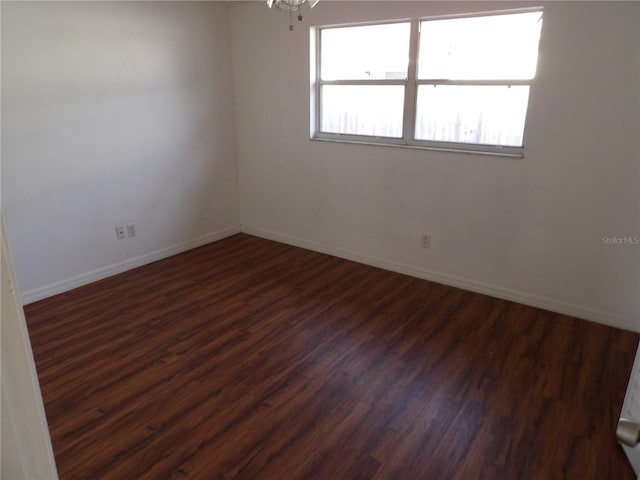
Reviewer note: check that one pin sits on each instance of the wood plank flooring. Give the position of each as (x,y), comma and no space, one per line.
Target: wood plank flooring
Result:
(250,359)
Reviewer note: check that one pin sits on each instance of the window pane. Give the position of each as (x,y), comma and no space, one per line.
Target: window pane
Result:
(486,115)
(489,48)
(374,110)
(365,53)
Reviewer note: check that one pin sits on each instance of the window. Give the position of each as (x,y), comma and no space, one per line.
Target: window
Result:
(451,83)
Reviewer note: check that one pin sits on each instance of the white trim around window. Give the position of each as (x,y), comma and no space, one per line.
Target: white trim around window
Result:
(411,85)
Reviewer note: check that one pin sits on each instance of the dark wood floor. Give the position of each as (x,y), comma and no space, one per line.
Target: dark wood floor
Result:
(255,360)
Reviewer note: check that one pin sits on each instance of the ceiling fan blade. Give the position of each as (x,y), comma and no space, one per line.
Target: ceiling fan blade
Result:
(270,3)
(312,3)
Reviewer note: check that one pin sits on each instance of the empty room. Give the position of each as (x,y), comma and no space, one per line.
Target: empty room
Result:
(302,239)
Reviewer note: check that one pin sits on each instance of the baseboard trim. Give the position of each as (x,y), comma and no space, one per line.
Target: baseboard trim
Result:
(89,277)
(546,303)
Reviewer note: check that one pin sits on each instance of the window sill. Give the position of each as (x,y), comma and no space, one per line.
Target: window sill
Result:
(373,143)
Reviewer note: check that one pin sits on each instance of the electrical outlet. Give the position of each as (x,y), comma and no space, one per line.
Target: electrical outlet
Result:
(131,229)
(425,242)
(120,231)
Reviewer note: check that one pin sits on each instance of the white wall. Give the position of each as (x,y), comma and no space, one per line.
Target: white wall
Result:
(524,229)
(124,112)
(114,112)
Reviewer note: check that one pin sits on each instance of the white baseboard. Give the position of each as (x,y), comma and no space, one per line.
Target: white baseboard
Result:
(89,277)
(587,313)
(600,316)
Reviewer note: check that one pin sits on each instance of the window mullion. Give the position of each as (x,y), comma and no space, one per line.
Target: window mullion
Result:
(506,83)
(362,82)
(411,88)
(317,86)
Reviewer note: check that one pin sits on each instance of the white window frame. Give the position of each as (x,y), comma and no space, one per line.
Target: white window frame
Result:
(410,84)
